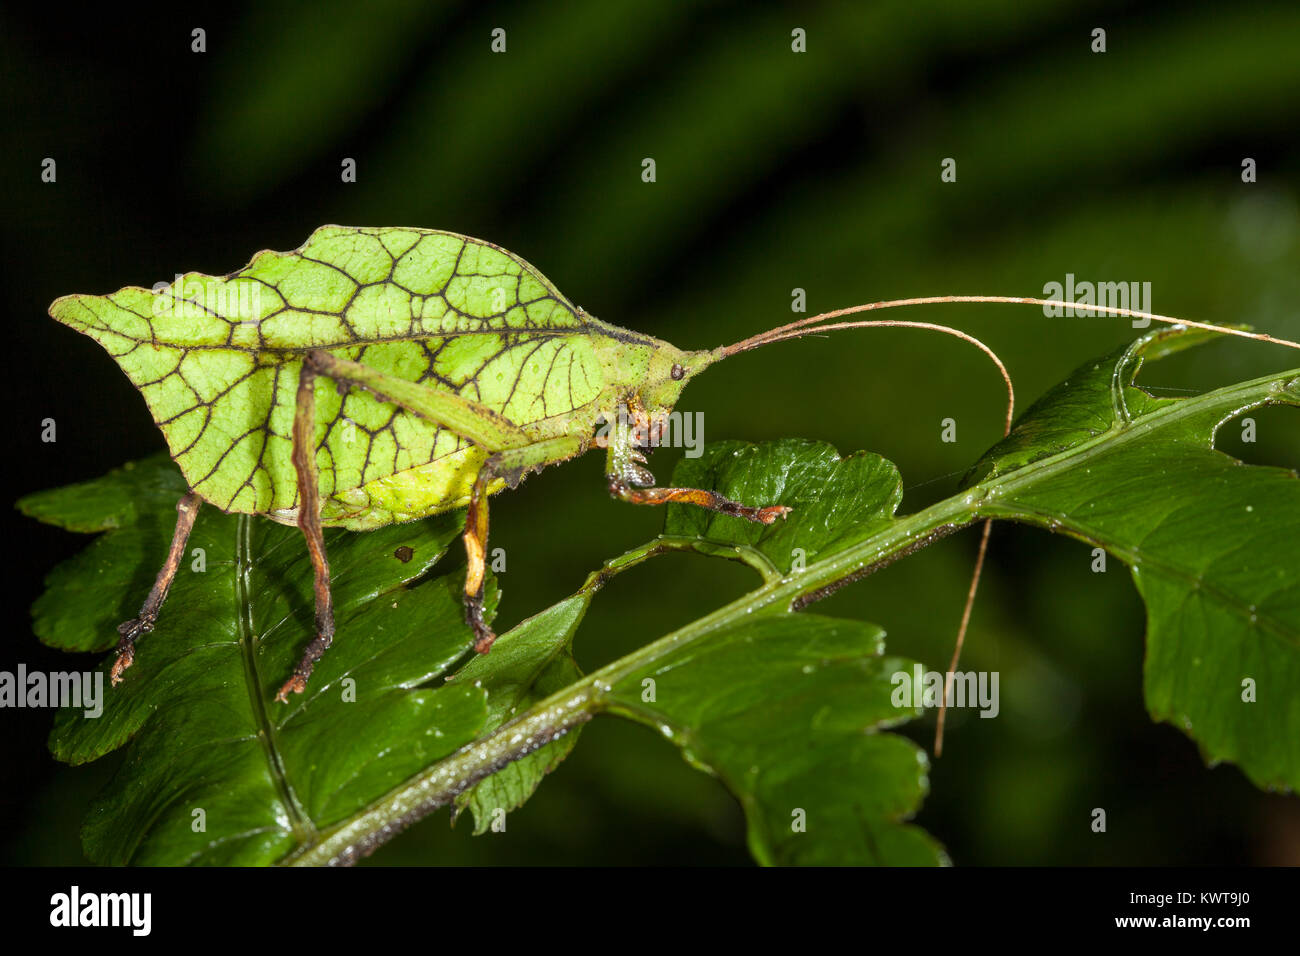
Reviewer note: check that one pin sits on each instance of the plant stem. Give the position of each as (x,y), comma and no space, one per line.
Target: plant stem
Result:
(555,716)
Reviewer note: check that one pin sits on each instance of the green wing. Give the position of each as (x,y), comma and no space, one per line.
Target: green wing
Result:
(217,360)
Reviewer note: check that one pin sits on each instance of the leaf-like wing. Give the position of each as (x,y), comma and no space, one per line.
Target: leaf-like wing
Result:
(217,360)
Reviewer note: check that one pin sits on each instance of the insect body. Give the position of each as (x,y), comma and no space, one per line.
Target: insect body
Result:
(376,376)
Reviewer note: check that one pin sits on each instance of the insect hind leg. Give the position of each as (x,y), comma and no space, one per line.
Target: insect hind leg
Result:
(309,507)
(187,510)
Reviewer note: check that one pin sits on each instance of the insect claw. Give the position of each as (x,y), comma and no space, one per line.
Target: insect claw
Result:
(769,514)
(130,631)
(483,635)
(294,685)
(125,658)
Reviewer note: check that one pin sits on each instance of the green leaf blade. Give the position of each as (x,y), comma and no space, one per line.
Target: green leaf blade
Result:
(787,710)
(216,771)
(527,664)
(836,501)
(1211,543)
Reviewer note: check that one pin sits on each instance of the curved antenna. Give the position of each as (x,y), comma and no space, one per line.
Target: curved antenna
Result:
(823,323)
(789,331)
(809,326)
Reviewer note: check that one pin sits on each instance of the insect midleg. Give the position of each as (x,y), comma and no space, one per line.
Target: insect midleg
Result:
(187,509)
(503,464)
(309,505)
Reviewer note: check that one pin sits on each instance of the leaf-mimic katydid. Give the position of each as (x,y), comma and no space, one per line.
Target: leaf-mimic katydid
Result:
(383,375)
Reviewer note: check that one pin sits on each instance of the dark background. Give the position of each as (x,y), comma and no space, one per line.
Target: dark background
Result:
(776,170)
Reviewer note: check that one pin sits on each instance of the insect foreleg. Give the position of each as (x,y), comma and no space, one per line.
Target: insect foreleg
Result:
(509,464)
(629,481)
(187,509)
(694,496)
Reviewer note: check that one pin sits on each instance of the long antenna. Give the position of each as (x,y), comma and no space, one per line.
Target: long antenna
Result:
(790,331)
(823,323)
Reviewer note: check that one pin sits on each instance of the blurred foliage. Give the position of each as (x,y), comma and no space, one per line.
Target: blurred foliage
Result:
(775,170)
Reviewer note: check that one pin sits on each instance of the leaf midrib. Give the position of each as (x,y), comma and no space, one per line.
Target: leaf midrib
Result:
(304,829)
(1119,435)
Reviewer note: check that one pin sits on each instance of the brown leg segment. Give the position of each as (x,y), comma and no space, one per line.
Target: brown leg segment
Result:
(309,504)
(511,464)
(476,535)
(619,488)
(187,509)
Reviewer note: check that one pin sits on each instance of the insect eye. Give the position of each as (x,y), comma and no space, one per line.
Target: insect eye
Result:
(678,373)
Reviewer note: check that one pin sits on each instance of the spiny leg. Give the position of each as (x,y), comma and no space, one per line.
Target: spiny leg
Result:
(509,464)
(309,505)
(476,533)
(187,509)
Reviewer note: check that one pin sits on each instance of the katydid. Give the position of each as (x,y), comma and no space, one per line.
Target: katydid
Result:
(383,375)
